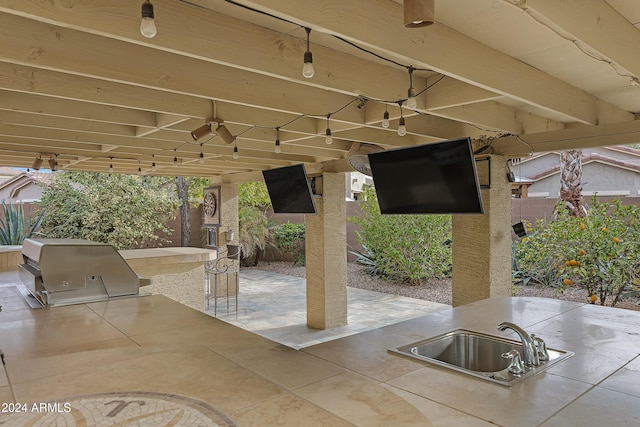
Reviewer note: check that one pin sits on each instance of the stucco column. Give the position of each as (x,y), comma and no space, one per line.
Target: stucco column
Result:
(482,243)
(229,221)
(326,256)
(229,214)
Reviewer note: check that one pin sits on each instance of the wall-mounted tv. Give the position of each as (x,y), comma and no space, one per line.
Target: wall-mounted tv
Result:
(437,178)
(289,190)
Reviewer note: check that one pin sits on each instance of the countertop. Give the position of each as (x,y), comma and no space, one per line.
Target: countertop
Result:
(175,255)
(599,385)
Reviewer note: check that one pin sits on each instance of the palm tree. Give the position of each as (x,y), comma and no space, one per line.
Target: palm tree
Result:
(571,182)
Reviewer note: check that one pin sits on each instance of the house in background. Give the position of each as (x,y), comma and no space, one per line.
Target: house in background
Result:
(24,187)
(7,173)
(609,172)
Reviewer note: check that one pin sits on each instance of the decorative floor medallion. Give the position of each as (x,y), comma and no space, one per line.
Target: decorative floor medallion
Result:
(116,409)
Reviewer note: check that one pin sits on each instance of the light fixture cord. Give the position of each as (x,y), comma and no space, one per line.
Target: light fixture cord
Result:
(411,70)
(308,30)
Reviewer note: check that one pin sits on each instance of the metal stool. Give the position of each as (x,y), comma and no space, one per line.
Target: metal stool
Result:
(228,263)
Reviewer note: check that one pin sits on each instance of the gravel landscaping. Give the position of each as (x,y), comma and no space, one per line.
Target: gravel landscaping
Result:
(437,291)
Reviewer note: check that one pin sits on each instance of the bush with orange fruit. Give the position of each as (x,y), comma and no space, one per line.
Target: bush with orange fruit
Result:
(600,252)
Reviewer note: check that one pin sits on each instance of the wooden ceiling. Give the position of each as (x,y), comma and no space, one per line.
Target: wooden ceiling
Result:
(79,82)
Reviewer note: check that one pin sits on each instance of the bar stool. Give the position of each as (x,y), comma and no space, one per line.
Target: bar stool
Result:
(226,264)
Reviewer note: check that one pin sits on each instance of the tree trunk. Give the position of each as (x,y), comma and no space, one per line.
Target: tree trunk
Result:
(571,182)
(182,186)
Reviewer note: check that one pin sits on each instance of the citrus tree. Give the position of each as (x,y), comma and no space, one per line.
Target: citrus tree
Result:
(599,252)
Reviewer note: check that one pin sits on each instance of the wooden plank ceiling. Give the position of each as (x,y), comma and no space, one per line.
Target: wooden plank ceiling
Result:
(78,82)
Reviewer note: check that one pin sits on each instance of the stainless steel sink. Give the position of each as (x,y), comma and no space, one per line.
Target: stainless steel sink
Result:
(476,353)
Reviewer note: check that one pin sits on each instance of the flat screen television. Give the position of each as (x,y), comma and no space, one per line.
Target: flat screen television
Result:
(289,190)
(437,178)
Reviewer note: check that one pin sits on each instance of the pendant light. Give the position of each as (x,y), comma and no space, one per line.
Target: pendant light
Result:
(307,68)
(148,25)
(402,129)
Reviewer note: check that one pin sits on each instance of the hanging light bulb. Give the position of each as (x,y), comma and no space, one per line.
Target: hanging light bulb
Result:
(402,129)
(277,148)
(307,68)
(153,166)
(111,165)
(235,152)
(385,119)
(175,156)
(411,94)
(148,25)
(201,155)
(139,168)
(328,138)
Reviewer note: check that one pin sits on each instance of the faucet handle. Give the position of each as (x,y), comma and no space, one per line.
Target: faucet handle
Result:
(516,367)
(541,347)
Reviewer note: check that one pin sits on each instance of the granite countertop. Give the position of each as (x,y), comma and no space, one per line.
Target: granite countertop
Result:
(153,256)
(599,385)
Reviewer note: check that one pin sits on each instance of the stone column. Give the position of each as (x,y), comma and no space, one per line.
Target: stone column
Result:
(326,256)
(482,243)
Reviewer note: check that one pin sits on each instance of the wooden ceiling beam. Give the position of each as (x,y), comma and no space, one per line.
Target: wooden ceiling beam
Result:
(595,24)
(442,49)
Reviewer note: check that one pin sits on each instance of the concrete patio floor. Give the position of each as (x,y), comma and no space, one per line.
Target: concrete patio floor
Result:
(273,305)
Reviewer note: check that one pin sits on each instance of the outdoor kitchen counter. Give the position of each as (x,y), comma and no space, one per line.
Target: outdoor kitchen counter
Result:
(140,258)
(174,271)
(599,385)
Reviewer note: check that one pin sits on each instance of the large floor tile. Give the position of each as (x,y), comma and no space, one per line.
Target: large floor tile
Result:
(287,410)
(24,369)
(626,380)
(439,415)
(362,402)
(576,331)
(591,367)
(5,395)
(190,371)
(31,337)
(367,354)
(599,407)
(285,366)
(527,403)
(136,316)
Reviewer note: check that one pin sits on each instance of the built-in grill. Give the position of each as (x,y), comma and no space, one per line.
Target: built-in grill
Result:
(73,271)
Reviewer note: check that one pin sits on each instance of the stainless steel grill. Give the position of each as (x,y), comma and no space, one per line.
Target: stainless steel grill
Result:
(73,271)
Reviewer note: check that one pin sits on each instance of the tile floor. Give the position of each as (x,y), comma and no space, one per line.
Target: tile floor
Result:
(273,305)
(152,361)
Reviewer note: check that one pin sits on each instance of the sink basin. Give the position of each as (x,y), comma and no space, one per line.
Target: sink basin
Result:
(477,354)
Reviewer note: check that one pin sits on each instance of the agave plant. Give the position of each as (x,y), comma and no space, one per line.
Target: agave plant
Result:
(15,227)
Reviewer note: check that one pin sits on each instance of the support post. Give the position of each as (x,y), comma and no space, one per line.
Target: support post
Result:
(482,243)
(326,256)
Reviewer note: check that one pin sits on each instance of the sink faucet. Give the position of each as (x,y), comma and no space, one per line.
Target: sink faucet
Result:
(529,349)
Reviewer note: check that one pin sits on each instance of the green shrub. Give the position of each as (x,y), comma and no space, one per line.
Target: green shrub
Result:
(599,253)
(256,229)
(125,211)
(291,238)
(256,234)
(409,248)
(16,226)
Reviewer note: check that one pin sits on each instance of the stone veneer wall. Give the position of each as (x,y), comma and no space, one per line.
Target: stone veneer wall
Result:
(10,257)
